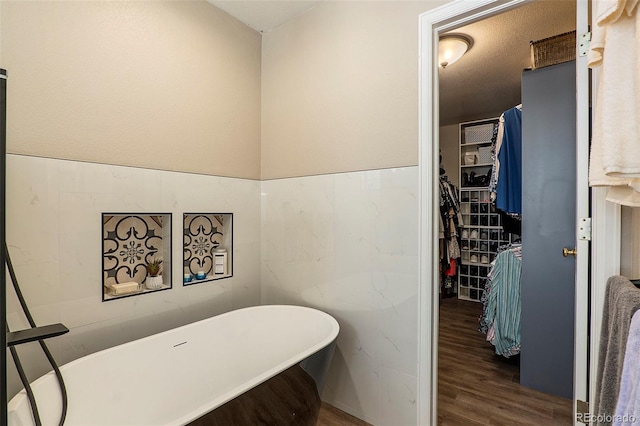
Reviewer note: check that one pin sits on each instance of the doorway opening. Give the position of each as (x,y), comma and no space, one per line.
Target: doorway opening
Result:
(460,111)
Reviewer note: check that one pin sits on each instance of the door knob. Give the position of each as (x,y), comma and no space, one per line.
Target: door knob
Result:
(566,252)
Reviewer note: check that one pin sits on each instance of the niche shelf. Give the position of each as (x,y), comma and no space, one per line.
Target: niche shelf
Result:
(129,241)
(207,247)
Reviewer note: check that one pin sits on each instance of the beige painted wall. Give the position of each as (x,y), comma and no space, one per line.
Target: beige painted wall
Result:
(450,150)
(171,85)
(340,89)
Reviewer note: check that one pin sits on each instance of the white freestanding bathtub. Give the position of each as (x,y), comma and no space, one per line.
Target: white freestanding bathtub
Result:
(176,376)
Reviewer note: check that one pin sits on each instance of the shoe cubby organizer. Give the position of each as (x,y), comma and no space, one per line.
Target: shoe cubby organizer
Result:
(480,239)
(135,247)
(208,247)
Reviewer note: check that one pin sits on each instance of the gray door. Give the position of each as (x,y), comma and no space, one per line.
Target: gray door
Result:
(548,225)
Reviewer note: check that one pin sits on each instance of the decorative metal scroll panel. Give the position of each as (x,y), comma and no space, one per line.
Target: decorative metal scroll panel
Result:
(202,234)
(129,242)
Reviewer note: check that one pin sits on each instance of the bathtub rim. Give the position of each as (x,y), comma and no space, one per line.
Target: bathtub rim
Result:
(21,398)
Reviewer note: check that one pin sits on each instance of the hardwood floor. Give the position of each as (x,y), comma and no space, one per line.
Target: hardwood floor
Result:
(477,387)
(331,416)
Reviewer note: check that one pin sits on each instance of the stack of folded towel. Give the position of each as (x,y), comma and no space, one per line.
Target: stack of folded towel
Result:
(123,288)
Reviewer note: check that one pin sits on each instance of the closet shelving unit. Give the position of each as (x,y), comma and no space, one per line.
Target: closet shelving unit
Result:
(482,232)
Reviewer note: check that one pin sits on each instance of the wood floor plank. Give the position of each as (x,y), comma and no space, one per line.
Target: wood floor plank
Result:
(478,387)
(332,416)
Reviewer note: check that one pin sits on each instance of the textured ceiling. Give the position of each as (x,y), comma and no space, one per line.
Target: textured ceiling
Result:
(486,81)
(263,15)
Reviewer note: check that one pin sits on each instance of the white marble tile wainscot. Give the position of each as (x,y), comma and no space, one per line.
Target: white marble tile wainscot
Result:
(348,244)
(344,243)
(54,210)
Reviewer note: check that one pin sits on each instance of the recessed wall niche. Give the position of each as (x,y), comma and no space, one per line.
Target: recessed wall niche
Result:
(208,247)
(130,244)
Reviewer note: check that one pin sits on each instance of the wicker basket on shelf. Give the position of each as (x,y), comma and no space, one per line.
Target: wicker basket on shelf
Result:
(553,50)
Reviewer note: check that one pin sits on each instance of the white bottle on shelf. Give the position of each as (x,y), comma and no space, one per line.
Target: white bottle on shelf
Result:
(220,261)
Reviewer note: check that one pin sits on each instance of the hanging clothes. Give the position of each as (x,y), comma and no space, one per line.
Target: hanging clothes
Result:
(450,211)
(496,144)
(621,302)
(615,152)
(509,182)
(628,405)
(450,224)
(500,318)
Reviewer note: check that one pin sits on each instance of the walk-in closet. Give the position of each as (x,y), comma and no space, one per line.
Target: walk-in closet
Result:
(507,171)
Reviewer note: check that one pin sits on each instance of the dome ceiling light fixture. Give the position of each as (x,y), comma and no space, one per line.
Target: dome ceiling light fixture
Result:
(451,47)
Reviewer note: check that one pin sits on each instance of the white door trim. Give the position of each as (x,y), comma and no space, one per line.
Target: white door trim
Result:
(431,23)
(452,15)
(581,326)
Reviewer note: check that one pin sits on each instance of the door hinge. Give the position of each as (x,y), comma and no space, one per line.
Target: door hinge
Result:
(582,412)
(584,228)
(583,44)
